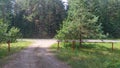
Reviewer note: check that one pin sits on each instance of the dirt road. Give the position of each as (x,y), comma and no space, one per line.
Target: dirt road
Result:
(36,56)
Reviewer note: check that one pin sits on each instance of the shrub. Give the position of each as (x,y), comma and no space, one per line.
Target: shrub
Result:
(8,33)
(13,34)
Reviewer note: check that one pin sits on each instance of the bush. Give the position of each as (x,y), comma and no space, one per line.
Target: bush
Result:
(8,33)
(13,34)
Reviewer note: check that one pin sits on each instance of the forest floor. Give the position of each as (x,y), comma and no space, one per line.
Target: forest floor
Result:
(37,55)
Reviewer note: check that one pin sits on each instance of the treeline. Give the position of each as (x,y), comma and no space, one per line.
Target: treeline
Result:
(43,18)
(109,15)
(34,18)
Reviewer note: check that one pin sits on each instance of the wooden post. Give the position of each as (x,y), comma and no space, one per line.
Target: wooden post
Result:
(80,45)
(8,42)
(58,47)
(112,46)
(73,45)
(80,42)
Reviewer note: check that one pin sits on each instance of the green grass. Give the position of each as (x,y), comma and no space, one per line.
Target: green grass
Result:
(91,55)
(15,47)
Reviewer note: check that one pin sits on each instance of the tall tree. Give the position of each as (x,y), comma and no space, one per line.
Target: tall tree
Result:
(80,23)
(4,8)
(46,15)
(109,15)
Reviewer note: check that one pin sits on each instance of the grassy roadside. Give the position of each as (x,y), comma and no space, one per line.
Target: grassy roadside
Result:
(92,55)
(15,47)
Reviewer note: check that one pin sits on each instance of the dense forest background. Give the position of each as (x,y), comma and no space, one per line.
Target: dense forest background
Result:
(44,18)
(36,19)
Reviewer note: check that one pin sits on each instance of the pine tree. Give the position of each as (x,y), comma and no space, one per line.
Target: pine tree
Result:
(80,23)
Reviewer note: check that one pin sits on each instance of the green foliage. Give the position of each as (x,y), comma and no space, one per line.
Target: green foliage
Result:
(3,30)
(5,8)
(92,55)
(80,23)
(109,15)
(15,47)
(8,34)
(13,34)
(38,18)
(41,18)
(26,27)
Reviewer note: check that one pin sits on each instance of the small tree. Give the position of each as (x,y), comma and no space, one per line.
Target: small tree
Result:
(8,34)
(13,34)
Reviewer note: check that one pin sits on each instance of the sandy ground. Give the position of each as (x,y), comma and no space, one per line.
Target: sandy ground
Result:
(38,55)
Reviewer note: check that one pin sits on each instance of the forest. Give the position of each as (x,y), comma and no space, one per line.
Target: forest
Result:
(59,33)
(87,19)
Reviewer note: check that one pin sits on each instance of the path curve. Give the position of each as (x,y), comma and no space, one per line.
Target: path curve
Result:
(36,56)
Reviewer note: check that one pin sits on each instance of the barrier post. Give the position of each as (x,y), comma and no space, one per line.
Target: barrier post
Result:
(8,42)
(112,46)
(73,45)
(58,47)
